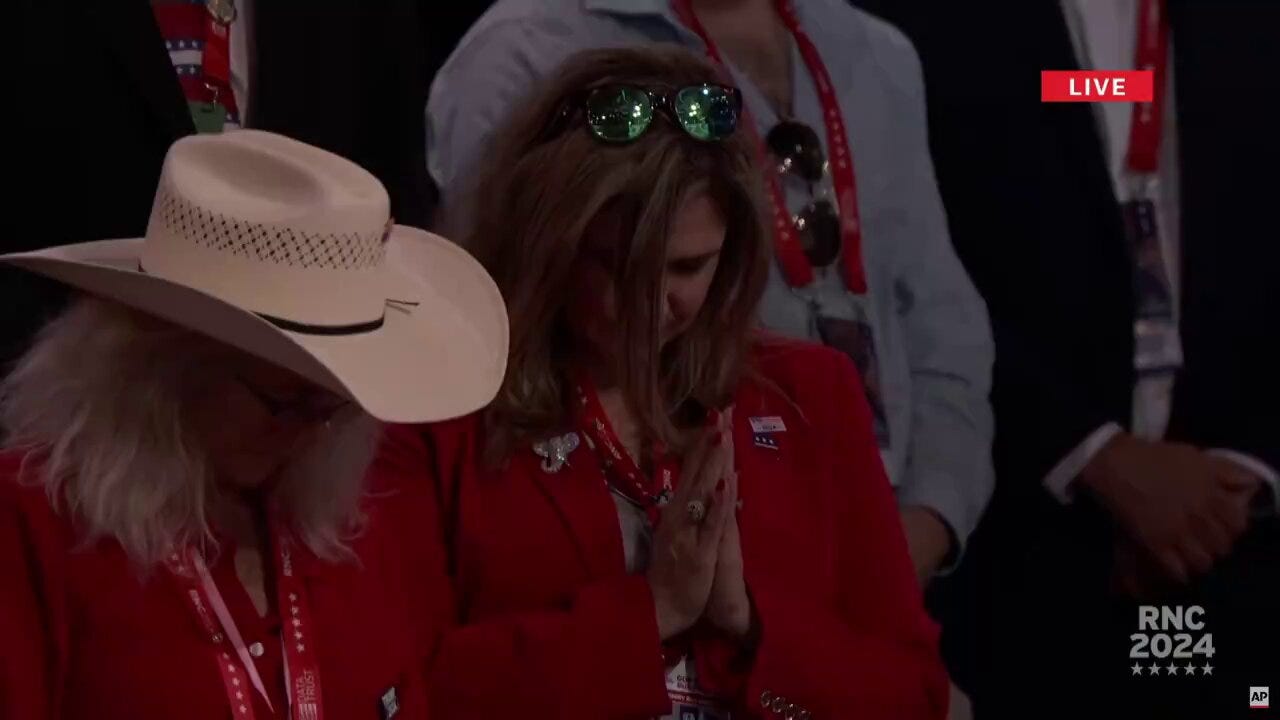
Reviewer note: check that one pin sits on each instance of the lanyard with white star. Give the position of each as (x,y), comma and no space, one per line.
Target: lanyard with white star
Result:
(302,673)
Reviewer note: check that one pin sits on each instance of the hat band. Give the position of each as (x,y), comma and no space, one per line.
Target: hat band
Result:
(307,329)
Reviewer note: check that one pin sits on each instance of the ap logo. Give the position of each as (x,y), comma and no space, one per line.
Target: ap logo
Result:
(1259,698)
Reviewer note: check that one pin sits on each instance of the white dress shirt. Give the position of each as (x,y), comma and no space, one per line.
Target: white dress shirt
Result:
(1104,33)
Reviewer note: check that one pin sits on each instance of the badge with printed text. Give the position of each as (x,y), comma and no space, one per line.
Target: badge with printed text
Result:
(769,424)
(1157,347)
(855,338)
(689,701)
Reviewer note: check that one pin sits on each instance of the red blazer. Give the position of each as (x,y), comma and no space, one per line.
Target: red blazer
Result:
(84,635)
(547,624)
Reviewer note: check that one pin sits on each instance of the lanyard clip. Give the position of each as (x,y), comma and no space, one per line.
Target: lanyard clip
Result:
(224,12)
(1142,186)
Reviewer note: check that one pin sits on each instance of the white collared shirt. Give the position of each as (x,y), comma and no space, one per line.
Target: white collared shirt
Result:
(1104,34)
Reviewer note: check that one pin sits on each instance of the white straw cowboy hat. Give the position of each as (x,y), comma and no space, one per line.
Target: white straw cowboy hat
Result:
(287,252)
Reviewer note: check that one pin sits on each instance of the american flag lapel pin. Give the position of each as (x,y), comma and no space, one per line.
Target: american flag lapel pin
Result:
(764,430)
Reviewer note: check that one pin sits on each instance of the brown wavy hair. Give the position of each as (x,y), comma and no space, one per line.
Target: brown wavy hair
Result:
(542,193)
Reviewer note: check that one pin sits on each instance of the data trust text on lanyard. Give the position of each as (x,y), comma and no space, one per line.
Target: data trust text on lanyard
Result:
(227,646)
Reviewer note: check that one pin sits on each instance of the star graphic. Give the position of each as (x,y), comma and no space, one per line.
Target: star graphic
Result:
(297,622)
(301,648)
(1155,669)
(1137,669)
(1191,669)
(1172,669)
(297,635)
(1208,669)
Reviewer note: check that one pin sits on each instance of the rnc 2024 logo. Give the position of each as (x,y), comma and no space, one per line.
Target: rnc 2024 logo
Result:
(1168,635)
(1175,640)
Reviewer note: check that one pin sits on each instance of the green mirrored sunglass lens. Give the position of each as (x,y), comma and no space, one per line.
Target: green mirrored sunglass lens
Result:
(619,114)
(706,112)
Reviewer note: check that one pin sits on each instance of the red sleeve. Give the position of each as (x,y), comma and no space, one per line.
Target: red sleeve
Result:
(870,652)
(26,602)
(598,657)
(401,481)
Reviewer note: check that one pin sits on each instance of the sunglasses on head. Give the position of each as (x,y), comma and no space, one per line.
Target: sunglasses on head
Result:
(799,153)
(621,113)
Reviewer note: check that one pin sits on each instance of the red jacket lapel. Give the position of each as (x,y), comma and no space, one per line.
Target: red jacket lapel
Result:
(579,495)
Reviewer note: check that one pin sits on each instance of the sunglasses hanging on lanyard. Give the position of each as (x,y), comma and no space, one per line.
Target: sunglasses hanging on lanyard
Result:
(831,233)
(210,115)
(1157,348)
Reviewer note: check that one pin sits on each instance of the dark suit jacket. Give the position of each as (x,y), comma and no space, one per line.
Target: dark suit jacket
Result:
(1035,220)
(99,104)
(1033,216)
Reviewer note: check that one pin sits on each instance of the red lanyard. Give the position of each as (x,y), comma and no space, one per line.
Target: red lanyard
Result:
(795,266)
(1151,53)
(302,672)
(620,469)
(216,61)
(623,475)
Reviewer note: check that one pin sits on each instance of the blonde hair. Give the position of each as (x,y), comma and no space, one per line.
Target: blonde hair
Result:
(99,405)
(543,194)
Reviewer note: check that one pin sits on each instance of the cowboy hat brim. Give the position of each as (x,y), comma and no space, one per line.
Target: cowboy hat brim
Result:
(441,357)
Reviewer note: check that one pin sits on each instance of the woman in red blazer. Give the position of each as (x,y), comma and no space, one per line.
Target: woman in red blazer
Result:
(187,525)
(663,514)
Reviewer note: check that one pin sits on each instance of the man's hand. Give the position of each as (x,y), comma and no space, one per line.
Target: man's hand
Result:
(928,540)
(1135,572)
(1240,480)
(1184,508)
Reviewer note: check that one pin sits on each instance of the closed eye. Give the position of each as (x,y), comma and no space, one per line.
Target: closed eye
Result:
(691,265)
